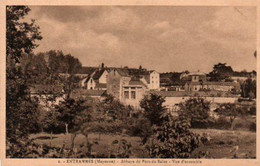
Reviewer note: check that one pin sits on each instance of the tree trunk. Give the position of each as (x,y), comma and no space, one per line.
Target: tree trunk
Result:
(232,123)
(66,129)
(73,136)
(51,139)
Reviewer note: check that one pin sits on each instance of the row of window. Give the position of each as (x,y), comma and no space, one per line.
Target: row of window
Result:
(127,95)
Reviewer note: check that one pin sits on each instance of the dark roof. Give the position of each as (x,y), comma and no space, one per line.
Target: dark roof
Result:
(87,70)
(98,74)
(136,83)
(122,72)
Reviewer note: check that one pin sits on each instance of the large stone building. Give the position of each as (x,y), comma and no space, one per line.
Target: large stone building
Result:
(197,82)
(130,88)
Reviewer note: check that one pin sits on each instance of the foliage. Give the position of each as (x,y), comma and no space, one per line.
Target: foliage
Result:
(73,112)
(173,139)
(110,108)
(220,72)
(248,89)
(21,107)
(140,126)
(230,110)
(51,122)
(196,110)
(21,36)
(153,108)
(124,148)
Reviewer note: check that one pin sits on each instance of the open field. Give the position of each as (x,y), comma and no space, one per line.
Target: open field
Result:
(222,142)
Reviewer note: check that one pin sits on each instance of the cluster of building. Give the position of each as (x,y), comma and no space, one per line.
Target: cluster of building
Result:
(129,85)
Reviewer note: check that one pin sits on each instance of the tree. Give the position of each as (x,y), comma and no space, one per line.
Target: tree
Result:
(21,107)
(51,122)
(248,89)
(196,110)
(220,72)
(173,139)
(113,108)
(73,113)
(231,111)
(153,108)
(21,36)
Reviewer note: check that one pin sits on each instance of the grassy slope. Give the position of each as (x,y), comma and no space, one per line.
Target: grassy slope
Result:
(222,142)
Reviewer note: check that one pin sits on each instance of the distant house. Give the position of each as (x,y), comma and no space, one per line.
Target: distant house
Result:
(152,80)
(198,82)
(172,81)
(125,87)
(97,80)
(48,95)
(218,86)
(243,75)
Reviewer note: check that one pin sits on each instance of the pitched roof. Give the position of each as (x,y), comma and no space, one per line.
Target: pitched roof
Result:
(86,70)
(197,73)
(98,74)
(122,72)
(135,82)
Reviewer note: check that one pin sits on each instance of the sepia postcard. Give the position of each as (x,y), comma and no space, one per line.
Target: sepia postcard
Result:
(129,82)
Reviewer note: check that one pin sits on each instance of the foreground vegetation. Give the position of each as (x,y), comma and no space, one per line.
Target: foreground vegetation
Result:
(222,144)
(82,127)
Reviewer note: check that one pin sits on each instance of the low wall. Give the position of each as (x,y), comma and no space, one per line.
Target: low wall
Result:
(171,101)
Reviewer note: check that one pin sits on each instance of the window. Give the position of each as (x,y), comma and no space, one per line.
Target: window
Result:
(133,95)
(126,94)
(91,81)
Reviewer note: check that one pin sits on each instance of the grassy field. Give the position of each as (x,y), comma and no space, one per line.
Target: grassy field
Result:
(221,145)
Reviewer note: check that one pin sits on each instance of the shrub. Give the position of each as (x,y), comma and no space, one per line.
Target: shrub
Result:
(153,108)
(196,110)
(173,139)
(252,127)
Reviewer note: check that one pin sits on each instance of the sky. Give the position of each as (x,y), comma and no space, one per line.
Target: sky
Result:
(165,39)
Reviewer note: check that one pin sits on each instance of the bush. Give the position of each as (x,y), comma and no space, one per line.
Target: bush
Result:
(173,139)
(140,127)
(196,110)
(220,123)
(252,127)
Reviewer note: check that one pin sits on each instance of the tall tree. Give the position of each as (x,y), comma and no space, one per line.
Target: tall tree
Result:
(21,107)
(196,110)
(220,72)
(73,113)
(153,108)
(21,36)
(248,89)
